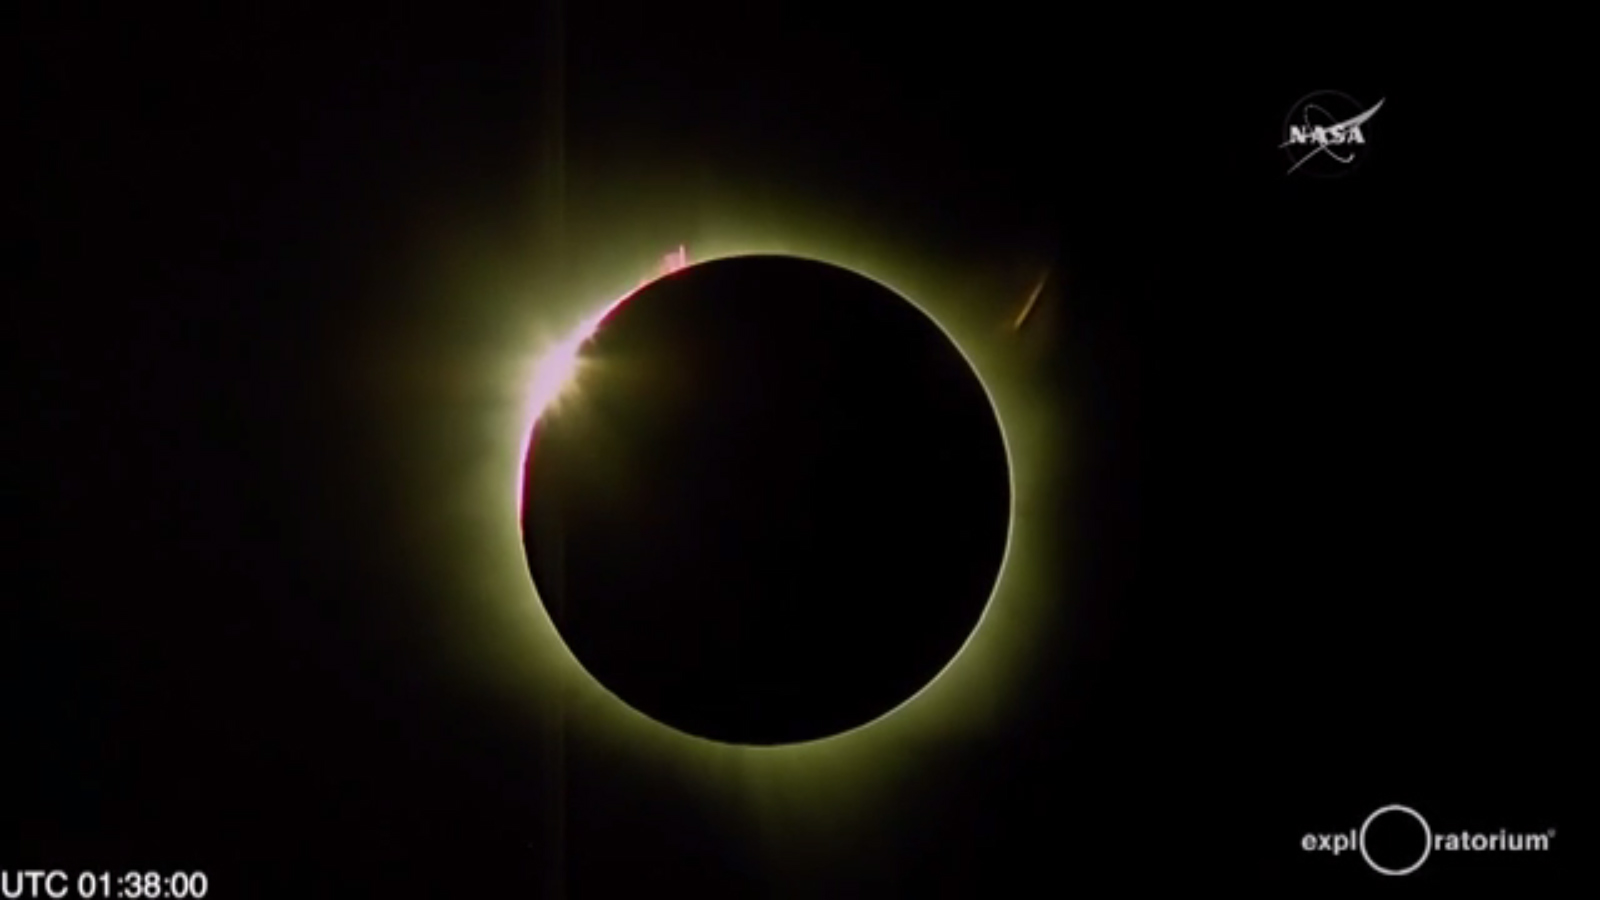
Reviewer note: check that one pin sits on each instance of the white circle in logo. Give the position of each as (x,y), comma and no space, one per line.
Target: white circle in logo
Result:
(1427,846)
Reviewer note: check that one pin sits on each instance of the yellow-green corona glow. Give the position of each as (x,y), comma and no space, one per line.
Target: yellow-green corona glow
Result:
(556,378)
(528,362)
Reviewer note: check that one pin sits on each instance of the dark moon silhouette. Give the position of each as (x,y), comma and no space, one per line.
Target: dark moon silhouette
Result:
(775,504)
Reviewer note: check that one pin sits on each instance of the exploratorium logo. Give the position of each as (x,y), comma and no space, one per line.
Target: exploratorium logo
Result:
(1393,818)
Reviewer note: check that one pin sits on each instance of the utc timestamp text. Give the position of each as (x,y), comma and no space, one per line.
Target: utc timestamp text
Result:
(102,885)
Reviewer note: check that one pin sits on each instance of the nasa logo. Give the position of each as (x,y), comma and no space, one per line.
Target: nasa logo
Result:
(1325,135)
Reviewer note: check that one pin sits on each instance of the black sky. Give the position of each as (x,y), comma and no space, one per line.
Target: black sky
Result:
(1323,568)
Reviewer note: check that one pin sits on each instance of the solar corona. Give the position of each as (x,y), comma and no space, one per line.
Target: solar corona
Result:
(571,383)
(766,499)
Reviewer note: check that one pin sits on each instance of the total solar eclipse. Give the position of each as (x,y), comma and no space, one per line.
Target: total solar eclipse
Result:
(772,503)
